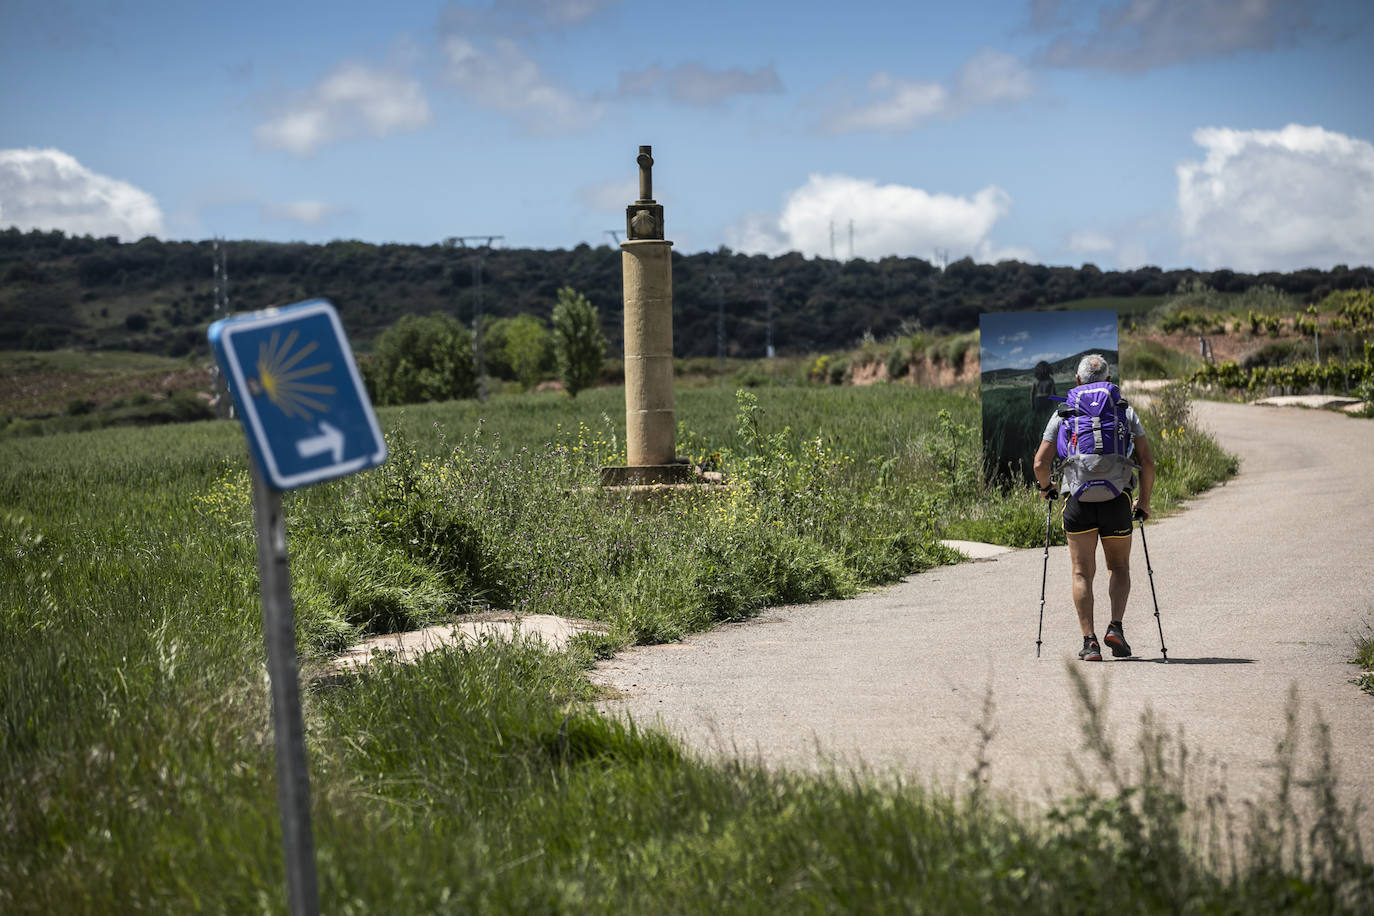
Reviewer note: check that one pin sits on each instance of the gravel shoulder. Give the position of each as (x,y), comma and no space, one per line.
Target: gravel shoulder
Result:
(1262,585)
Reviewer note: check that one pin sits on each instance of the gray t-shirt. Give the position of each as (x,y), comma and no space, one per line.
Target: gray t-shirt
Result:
(1051,433)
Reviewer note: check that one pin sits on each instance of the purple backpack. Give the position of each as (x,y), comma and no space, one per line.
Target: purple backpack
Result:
(1095,443)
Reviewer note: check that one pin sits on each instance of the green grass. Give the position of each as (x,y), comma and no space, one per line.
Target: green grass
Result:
(136,767)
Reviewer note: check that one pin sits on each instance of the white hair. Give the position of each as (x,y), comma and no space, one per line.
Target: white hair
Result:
(1093,368)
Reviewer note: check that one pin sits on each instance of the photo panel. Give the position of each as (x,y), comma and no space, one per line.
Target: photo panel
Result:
(1027,360)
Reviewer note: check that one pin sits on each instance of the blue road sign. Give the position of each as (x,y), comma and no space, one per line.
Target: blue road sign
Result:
(299,394)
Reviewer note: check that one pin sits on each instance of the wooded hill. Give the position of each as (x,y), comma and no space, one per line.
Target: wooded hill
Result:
(153,296)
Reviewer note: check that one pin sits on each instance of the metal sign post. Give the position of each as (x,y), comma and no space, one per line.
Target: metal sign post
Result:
(308,419)
(288,724)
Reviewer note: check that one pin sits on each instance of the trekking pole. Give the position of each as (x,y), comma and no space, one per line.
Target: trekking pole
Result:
(1151,573)
(1044,573)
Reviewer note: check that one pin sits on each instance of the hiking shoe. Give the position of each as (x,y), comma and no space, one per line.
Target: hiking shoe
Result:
(1091,651)
(1116,640)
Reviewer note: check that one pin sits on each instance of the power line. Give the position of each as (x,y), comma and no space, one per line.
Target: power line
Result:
(479,358)
(720,323)
(768,286)
(219,249)
(614,234)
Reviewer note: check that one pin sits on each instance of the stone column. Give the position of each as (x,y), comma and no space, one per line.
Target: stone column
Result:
(650,430)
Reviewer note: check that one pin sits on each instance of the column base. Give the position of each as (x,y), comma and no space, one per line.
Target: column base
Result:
(647,474)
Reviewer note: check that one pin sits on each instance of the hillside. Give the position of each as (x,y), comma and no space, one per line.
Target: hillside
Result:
(157,297)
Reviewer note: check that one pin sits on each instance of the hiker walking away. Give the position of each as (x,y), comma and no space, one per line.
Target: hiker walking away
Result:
(1094,432)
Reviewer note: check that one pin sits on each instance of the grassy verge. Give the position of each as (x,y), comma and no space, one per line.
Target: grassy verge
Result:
(1149,359)
(135,756)
(1364,658)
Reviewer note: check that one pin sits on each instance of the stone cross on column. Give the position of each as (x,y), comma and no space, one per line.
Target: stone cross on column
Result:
(646,175)
(644,218)
(647,271)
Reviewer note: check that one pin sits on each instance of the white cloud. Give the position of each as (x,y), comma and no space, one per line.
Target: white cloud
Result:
(611,196)
(305,212)
(490,58)
(1278,200)
(888,220)
(990,78)
(894,104)
(1090,242)
(1138,35)
(354,99)
(900,105)
(498,75)
(1018,337)
(49,189)
(699,86)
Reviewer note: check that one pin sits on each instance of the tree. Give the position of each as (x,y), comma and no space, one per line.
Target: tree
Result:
(423,359)
(579,347)
(527,349)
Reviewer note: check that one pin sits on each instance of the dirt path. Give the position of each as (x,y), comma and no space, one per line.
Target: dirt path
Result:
(1262,585)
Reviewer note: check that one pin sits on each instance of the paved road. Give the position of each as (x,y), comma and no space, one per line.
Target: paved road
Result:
(1262,585)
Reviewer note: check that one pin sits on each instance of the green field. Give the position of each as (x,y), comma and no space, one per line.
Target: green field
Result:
(136,768)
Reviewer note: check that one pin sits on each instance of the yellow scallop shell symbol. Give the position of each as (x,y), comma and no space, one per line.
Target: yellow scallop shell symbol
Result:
(284,383)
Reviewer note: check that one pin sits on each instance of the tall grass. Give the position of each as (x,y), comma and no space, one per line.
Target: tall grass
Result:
(135,754)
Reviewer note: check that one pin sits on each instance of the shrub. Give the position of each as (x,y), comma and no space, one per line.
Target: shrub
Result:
(1174,406)
(423,359)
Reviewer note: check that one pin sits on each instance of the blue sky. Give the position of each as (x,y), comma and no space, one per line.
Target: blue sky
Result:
(1019,340)
(1203,133)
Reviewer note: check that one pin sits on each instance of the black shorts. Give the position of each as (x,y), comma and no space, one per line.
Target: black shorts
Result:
(1110,519)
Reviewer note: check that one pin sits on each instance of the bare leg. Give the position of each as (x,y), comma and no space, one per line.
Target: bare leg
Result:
(1083,557)
(1118,554)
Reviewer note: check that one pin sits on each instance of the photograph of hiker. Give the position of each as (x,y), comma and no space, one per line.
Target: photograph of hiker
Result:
(1099,441)
(1028,360)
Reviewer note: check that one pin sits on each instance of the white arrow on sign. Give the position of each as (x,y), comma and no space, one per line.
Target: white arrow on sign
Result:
(329,440)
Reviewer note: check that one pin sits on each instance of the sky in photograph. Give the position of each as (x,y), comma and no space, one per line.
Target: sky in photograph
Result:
(1179,133)
(1019,340)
